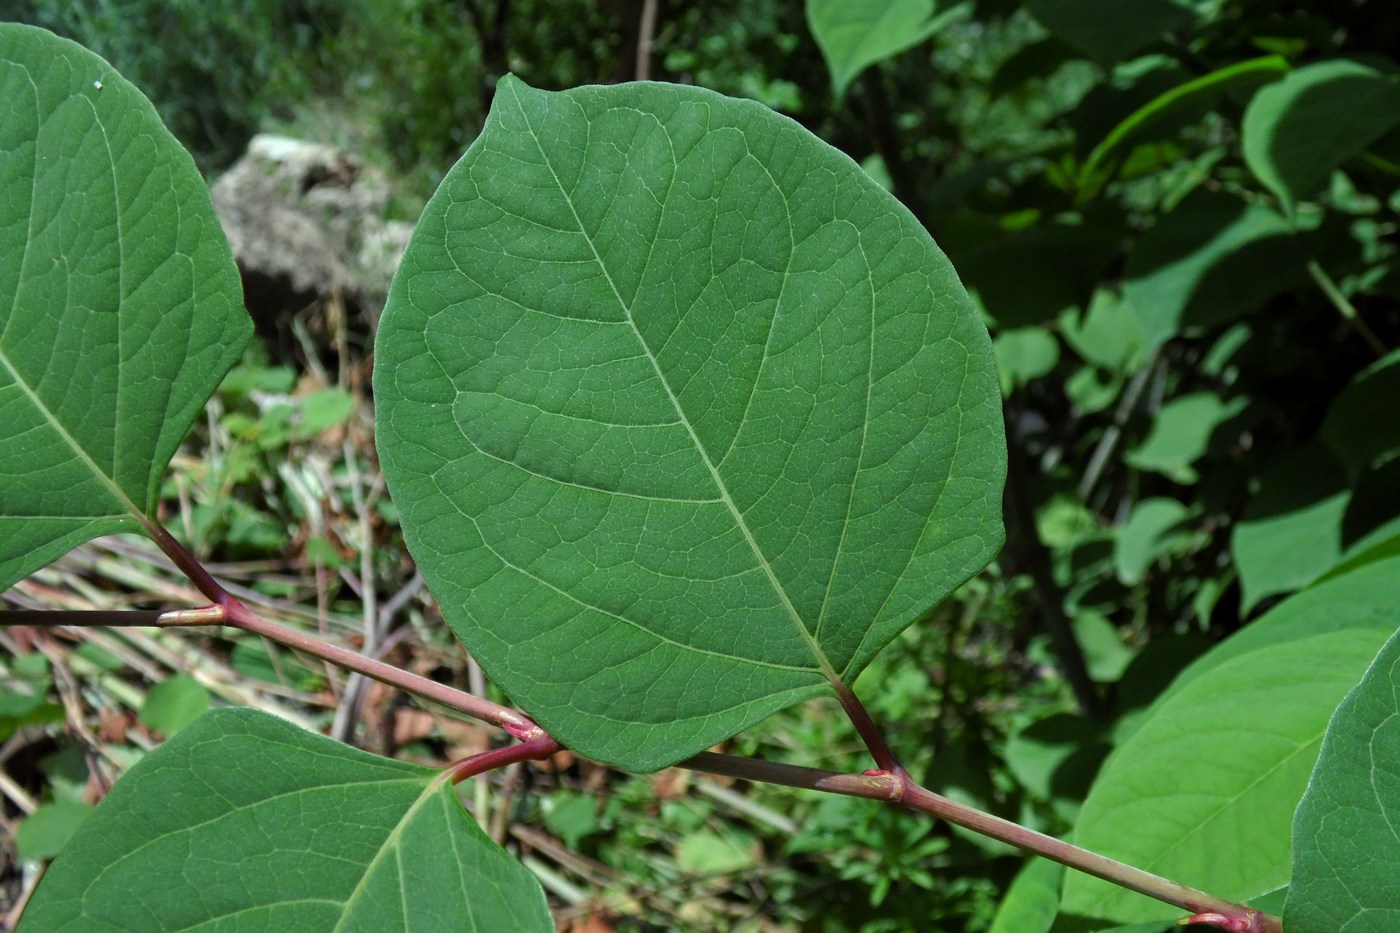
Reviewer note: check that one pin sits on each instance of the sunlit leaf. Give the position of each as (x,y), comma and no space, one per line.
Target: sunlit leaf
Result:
(684,414)
(1203,790)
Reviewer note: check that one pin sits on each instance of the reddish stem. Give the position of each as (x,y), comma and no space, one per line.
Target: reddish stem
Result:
(891,783)
(869,733)
(237,615)
(535,749)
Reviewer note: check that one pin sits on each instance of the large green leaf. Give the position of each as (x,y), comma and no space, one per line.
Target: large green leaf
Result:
(245,822)
(684,414)
(1346,835)
(120,302)
(1211,260)
(1300,129)
(1291,531)
(854,36)
(1203,790)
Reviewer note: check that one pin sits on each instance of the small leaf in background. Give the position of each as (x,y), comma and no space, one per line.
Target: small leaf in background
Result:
(245,816)
(145,299)
(1091,389)
(1283,144)
(854,36)
(1055,758)
(1213,259)
(708,853)
(571,817)
(1104,651)
(320,410)
(1023,355)
(1107,334)
(21,709)
(668,476)
(1361,427)
(1230,744)
(45,832)
(1181,434)
(1291,530)
(1346,835)
(1150,532)
(173,704)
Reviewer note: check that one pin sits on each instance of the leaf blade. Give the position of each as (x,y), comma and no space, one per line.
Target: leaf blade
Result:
(243,818)
(624,378)
(121,303)
(1345,840)
(1205,787)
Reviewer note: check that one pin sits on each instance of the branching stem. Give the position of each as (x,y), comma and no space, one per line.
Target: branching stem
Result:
(891,783)
(901,790)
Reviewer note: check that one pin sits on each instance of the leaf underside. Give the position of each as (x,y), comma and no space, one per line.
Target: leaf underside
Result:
(685,416)
(245,822)
(120,305)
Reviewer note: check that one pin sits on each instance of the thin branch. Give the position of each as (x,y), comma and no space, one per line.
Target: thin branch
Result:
(646,34)
(865,726)
(1345,307)
(891,784)
(81,618)
(536,749)
(902,791)
(239,616)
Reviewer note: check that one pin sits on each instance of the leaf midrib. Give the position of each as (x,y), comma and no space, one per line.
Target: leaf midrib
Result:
(110,482)
(794,617)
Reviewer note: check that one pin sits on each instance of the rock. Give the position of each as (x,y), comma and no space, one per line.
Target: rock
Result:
(306,224)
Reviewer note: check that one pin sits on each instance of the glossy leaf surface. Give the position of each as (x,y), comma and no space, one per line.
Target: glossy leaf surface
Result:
(120,306)
(1203,791)
(685,415)
(1346,835)
(243,822)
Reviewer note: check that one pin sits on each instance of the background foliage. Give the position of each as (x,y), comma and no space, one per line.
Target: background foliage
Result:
(1180,224)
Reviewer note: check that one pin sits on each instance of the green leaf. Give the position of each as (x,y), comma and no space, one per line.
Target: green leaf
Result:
(1023,355)
(1346,835)
(1210,261)
(1291,530)
(244,821)
(1099,165)
(1107,334)
(45,832)
(1032,901)
(120,306)
(1104,652)
(1109,32)
(173,704)
(1182,433)
(854,36)
(707,853)
(1361,427)
(1298,130)
(1203,790)
(684,414)
(1146,536)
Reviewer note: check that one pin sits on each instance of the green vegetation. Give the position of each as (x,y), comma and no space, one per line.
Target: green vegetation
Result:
(686,420)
